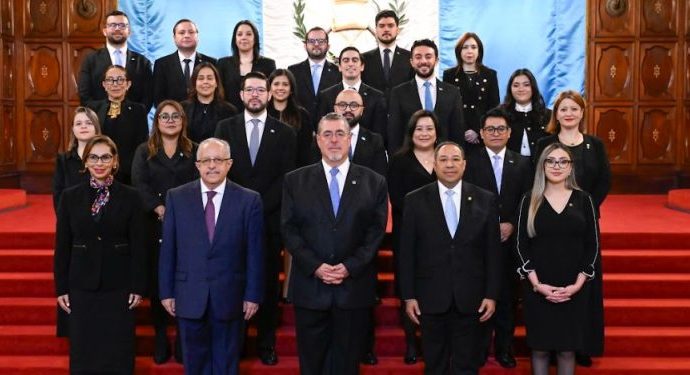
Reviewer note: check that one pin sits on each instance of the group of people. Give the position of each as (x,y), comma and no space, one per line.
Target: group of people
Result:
(245,160)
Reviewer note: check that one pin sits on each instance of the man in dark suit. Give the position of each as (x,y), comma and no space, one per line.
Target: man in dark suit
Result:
(375,114)
(211,262)
(333,220)
(380,71)
(450,264)
(116,32)
(172,73)
(264,151)
(425,91)
(315,73)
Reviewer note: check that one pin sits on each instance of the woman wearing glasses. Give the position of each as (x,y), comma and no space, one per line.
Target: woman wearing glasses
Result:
(558,246)
(121,120)
(165,161)
(99,265)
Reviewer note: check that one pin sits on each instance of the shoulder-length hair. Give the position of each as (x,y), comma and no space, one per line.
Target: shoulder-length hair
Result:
(554,126)
(92,116)
(480,47)
(537,99)
(291,115)
(101,139)
(233,42)
(408,145)
(155,142)
(218,93)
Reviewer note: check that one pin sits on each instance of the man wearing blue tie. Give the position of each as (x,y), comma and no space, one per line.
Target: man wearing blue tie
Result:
(211,271)
(450,264)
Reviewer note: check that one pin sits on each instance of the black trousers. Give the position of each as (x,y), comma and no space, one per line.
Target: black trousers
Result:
(329,342)
(268,315)
(503,321)
(451,342)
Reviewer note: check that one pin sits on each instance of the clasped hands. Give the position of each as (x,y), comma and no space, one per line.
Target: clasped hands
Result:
(557,294)
(63,301)
(332,274)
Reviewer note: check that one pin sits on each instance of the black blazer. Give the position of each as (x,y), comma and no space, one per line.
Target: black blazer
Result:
(100,256)
(128,131)
(168,77)
(401,70)
(479,92)
(138,71)
(533,123)
(516,180)
(314,235)
(68,172)
(305,134)
(375,115)
(437,269)
(370,152)
(232,80)
(276,157)
(306,96)
(405,101)
(203,119)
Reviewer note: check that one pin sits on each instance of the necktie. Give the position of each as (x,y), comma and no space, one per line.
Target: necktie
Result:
(349,152)
(118,57)
(316,77)
(335,191)
(210,214)
(386,64)
(451,213)
(254,140)
(428,104)
(498,171)
(186,71)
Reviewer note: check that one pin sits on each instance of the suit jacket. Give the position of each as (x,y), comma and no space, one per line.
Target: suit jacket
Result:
(479,92)
(68,172)
(533,123)
(516,180)
(314,235)
(370,152)
(223,272)
(401,70)
(168,77)
(375,115)
(232,80)
(276,157)
(405,101)
(306,96)
(202,120)
(138,71)
(104,255)
(437,269)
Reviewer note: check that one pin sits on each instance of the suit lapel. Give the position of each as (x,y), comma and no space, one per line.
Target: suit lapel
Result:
(414,94)
(196,212)
(268,140)
(349,190)
(239,131)
(466,212)
(321,188)
(223,214)
(362,144)
(508,170)
(440,95)
(436,206)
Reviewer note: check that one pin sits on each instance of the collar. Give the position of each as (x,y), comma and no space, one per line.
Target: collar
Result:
(420,81)
(501,153)
(320,62)
(381,48)
(182,57)
(356,85)
(354,131)
(523,108)
(111,49)
(219,190)
(262,116)
(343,168)
(457,188)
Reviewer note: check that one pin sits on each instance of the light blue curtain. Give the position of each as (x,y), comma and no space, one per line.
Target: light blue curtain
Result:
(546,36)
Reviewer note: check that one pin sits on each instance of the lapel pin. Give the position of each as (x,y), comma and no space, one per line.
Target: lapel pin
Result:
(469,199)
(273,131)
(570,204)
(484,79)
(181,154)
(510,161)
(440,89)
(363,138)
(354,182)
(587,145)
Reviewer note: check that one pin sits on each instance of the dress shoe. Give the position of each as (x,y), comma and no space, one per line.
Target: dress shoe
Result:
(410,354)
(161,352)
(506,360)
(583,360)
(369,359)
(268,357)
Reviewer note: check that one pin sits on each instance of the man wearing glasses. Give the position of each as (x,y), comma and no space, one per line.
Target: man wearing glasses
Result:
(115,52)
(316,72)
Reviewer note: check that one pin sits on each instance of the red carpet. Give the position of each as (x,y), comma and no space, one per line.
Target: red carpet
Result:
(12,198)
(646,259)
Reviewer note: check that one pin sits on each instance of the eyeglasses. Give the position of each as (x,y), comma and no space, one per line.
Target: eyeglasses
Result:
(209,161)
(119,80)
(105,158)
(352,105)
(117,25)
(339,134)
(317,41)
(561,163)
(165,117)
(255,90)
(495,129)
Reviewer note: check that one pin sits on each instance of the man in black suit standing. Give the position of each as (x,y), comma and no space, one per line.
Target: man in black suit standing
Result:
(425,91)
(450,264)
(172,73)
(508,175)
(333,220)
(387,65)
(375,114)
(315,73)
(264,150)
(116,32)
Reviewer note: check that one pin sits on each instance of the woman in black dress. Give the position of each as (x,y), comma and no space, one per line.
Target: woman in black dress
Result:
(162,163)
(558,245)
(529,116)
(477,83)
(99,264)
(410,168)
(206,104)
(245,58)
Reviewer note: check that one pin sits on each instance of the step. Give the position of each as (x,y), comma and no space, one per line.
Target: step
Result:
(26,260)
(642,240)
(646,261)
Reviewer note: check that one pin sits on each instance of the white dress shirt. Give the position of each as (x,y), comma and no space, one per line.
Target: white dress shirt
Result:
(342,173)
(192,57)
(217,199)
(382,54)
(353,140)
(524,145)
(111,51)
(249,125)
(355,86)
(456,197)
(422,90)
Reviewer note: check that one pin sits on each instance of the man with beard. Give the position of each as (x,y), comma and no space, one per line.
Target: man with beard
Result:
(427,92)
(172,73)
(375,114)
(387,65)
(116,32)
(264,150)
(333,220)
(315,73)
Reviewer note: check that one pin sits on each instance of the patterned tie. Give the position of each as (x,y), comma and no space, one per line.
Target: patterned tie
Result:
(451,213)
(254,140)
(118,58)
(187,74)
(498,171)
(428,104)
(387,64)
(210,214)
(316,77)
(335,191)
